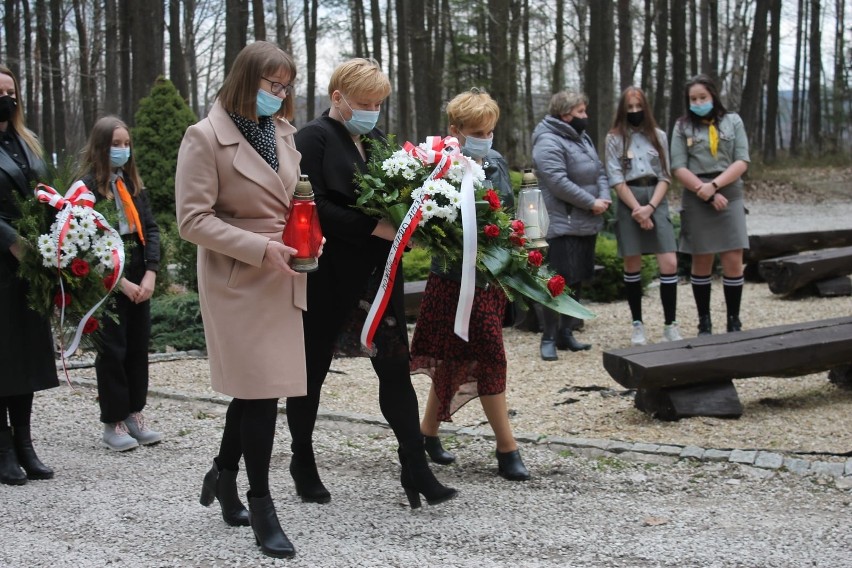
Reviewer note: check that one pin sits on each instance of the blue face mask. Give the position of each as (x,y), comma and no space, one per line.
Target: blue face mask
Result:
(118,156)
(476,148)
(362,121)
(267,103)
(702,109)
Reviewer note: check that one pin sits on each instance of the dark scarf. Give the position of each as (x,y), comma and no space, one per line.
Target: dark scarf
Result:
(261,136)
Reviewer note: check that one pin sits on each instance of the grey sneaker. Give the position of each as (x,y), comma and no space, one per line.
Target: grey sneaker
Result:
(116,437)
(137,428)
(638,334)
(672,332)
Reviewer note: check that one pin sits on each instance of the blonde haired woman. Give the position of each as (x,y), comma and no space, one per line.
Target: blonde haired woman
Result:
(333,146)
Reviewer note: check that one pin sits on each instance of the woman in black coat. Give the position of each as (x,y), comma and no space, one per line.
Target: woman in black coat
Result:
(26,343)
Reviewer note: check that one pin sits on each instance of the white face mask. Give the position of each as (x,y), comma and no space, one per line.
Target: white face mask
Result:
(476,148)
(362,121)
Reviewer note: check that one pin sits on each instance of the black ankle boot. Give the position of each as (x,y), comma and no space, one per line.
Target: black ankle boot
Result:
(550,323)
(566,340)
(268,533)
(303,468)
(222,484)
(10,470)
(734,324)
(705,325)
(417,479)
(436,451)
(27,457)
(511,467)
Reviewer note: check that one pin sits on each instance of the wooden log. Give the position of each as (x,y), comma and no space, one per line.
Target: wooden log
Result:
(413,296)
(841,376)
(789,273)
(761,247)
(780,351)
(837,286)
(717,399)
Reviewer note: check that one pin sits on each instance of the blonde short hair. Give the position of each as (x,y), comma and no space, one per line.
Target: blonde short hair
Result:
(255,61)
(564,102)
(473,108)
(359,77)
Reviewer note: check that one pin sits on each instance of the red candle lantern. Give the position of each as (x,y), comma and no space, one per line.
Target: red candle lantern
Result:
(303,231)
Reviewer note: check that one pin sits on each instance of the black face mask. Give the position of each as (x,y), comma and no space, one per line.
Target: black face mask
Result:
(636,118)
(7,107)
(579,124)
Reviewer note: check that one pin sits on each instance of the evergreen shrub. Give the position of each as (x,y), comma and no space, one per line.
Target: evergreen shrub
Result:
(176,323)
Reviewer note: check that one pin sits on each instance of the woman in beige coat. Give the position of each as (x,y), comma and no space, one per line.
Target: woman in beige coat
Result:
(237,170)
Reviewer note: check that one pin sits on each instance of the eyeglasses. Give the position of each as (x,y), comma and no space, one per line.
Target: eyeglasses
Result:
(276,88)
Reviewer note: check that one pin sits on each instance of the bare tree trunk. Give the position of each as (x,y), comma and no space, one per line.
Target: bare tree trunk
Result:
(391,69)
(236,24)
(625,44)
(514,118)
(11,25)
(558,79)
(88,87)
(376,15)
(528,94)
(815,84)
(147,46)
(770,142)
(257,13)
(403,70)
(839,111)
(752,93)
(498,27)
(421,57)
(647,33)
(662,32)
(33,109)
(177,62)
(738,36)
(693,39)
(190,50)
(112,85)
(309,12)
(57,23)
(679,45)
(42,44)
(795,132)
(598,72)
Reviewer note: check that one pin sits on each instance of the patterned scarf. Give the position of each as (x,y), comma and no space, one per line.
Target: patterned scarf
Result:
(261,136)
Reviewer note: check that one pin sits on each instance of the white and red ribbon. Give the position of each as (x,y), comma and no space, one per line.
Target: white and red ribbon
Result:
(440,152)
(78,195)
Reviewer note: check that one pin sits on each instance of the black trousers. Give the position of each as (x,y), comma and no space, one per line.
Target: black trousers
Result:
(249,433)
(122,362)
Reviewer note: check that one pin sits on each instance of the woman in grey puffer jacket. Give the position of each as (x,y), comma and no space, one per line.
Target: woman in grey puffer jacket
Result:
(576,192)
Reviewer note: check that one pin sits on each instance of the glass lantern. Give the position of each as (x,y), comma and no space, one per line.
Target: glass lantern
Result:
(302,231)
(532,211)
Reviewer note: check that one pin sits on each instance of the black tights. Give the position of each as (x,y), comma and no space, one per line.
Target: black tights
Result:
(397,401)
(18,408)
(249,432)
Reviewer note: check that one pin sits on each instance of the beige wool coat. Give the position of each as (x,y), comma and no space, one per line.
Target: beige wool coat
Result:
(231,203)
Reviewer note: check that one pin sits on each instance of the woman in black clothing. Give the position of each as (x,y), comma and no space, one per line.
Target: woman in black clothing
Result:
(333,146)
(26,343)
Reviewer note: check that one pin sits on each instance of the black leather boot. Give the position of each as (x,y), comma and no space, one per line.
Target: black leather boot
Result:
(436,451)
(27,457)
(511,467)
(268,533)
(303,468)
(10,470)
(734,324)
(417,479)
(550,322)
(222,484)
(565,336)
(705,325)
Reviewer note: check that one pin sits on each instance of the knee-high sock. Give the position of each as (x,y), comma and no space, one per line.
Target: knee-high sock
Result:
(668,296)
(733,287)
(633,287)
(701,292)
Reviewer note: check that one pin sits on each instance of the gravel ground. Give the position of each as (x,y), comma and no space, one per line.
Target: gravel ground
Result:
(140,508)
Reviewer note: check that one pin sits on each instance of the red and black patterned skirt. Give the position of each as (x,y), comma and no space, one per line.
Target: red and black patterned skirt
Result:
(460,370)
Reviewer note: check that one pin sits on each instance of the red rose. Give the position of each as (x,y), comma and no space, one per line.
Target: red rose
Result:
(518,226)
(61,299)
(517,240)
(556,285)
(493,199)
(90,326)
(492,231)
(109,281)
(535,258)
(79,268)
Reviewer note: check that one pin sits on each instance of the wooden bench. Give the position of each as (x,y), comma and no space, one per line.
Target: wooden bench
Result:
(693,377)
(790,273)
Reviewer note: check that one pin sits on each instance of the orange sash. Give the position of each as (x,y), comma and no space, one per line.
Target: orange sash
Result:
(129,208)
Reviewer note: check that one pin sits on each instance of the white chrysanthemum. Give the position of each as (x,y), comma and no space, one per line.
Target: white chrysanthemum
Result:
(447,212)
(429,209)
(79,211)
(109,242)
(86,224)
(47,249)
